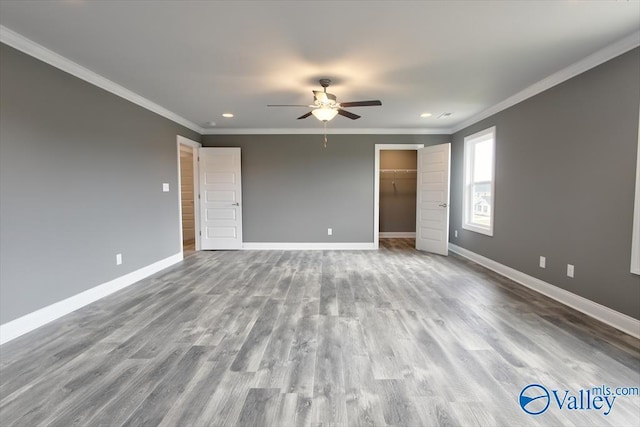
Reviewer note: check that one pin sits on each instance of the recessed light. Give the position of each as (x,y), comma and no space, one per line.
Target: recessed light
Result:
(227,115)
(426,115)
(212,124)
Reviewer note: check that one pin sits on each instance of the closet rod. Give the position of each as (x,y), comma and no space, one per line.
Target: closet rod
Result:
(398,170)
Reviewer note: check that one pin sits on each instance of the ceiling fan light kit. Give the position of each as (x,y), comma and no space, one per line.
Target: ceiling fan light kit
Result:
(325,114)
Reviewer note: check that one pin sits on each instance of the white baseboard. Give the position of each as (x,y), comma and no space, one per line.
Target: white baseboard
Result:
(397,234)
(279,246)
(620,321)
(31,321)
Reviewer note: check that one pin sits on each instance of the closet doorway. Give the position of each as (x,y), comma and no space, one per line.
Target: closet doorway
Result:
(395,191)
(398,173)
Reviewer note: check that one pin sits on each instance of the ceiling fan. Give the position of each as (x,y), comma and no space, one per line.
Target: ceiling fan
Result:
(326,106)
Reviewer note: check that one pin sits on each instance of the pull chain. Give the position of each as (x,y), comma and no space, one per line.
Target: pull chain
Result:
(325,134)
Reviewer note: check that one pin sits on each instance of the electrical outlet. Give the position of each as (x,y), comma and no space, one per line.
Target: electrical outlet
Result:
(543,262)
(570,270)
(329,231)
(118,259)
(455,233)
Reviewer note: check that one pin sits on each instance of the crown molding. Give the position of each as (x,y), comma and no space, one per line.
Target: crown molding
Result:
(23,44)
(328,131)
(603,55)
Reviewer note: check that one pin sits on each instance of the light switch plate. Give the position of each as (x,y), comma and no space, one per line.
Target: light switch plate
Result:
(165,187)
(570,270)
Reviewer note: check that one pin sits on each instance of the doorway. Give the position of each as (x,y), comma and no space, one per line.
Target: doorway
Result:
(398,181)
(381,178)
(188,185)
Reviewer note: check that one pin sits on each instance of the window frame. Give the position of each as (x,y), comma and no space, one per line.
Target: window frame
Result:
(467,195)
(635,233)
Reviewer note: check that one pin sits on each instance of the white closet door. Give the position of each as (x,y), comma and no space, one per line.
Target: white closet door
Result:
(432,205)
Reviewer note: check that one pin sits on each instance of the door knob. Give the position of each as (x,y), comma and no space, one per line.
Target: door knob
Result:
(236,204)
(444,205)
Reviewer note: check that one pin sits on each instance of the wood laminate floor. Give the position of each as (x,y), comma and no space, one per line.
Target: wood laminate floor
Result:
(286,338)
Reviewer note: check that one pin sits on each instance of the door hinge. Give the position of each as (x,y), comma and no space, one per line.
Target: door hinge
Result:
(198,196)
(200,233)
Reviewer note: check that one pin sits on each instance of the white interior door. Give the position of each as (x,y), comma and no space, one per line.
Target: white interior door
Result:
(432,205)
(220,198)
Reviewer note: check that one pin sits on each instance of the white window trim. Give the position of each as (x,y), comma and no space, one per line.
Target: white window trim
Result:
(467,203)
(635,238)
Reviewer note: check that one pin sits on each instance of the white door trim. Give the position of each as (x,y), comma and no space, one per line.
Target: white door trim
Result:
(376,184)
(181,140)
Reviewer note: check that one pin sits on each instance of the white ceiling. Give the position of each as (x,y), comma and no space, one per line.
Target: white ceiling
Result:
(200,59)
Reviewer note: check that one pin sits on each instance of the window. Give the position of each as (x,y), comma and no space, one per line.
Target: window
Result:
(479,172)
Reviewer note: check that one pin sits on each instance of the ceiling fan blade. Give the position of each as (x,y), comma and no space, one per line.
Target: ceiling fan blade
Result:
(361,103)
(348,114)
(320,96)
(287,105)
(304,116)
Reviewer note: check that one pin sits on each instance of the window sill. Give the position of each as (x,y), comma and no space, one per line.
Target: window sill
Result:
(476,229)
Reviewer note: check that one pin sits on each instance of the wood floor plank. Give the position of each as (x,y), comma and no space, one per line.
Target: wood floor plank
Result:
(153,409)
(286,412)
(379,343)
(250,354)
(226,403)
(345,299)
(364,407)
(328,294)
(260,407)
(302,357)
(397,406)
(189,407)
(273,369)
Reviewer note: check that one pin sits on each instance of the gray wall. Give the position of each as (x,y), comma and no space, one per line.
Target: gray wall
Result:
(565,175)
(398,191)
(81,173)
(293,189)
